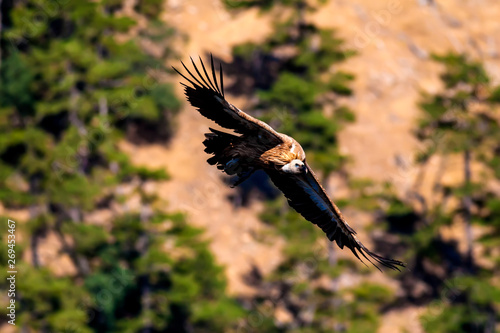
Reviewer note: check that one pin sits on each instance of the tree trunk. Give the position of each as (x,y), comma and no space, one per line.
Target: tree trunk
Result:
(301,21)
(467,203)
(146,305)
(34,249)
(145,289)
(81,263)
(332,261)
(437,187)
(34,239)
(34,212)
(73,111)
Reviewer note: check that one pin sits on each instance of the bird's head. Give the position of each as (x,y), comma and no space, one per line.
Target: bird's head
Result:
(295,166)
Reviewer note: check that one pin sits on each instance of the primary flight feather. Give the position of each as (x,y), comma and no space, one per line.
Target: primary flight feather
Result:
(259,146)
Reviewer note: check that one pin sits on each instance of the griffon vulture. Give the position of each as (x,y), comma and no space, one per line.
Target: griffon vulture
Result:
(260,147)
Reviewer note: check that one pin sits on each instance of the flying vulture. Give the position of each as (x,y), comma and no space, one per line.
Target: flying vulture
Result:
(259,146)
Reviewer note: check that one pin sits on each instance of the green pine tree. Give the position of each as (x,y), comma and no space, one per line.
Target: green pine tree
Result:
(460,120)
(300,94)
(75,79)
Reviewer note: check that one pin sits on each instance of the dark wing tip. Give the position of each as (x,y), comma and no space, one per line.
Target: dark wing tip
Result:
(213,74)
(358,248)
(351,241)
(221,80)
(201,81)
(387,262)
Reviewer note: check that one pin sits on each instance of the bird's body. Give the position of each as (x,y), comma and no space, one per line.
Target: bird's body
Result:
(283,153)
(261,147)
(262,154)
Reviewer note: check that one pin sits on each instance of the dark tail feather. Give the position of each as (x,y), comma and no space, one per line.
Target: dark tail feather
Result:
(216,143)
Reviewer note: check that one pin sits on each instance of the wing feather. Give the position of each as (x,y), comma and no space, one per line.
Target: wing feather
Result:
(206,74)
(194,76)
(221,80)
(213,74)
(208,98)
(207,86)
(306,195)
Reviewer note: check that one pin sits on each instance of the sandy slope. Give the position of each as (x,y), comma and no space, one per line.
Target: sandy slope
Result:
(196,187)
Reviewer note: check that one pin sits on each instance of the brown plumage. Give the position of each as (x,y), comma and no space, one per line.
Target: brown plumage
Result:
(260,147)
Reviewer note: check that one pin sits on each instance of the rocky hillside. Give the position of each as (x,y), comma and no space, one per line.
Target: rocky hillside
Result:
(394,40)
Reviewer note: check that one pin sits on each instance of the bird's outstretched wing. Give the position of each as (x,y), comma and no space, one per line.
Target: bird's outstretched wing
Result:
(208,97)
(308,197)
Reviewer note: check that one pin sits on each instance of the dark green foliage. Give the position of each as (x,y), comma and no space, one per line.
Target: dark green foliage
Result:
(290,91)
(303,99)
(73,83)
(264,4)
(460,70)
(305,88)
(469,308)
(361,315)
(15,84)
(300,234)
(303,275)
(51,303)
(181,284)
(462,119)
(150,8)
(298,98)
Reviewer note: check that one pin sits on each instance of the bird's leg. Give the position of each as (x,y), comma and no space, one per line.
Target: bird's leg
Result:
(241,177)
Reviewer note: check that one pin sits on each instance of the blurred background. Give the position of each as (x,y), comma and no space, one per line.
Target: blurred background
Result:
(121,225)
